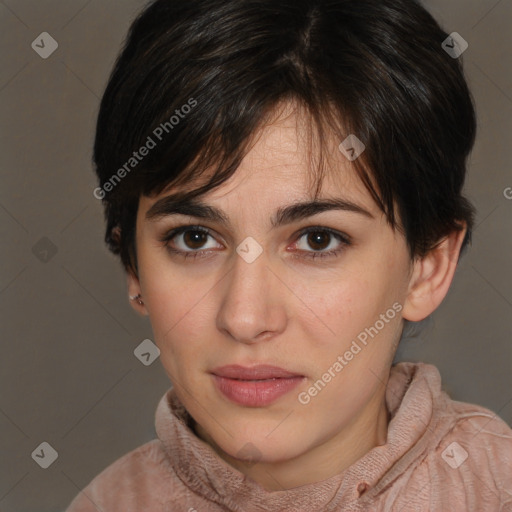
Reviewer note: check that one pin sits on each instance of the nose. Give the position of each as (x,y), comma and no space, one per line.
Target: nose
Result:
(252,305)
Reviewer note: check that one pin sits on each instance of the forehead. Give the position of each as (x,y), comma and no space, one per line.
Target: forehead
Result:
(282,165)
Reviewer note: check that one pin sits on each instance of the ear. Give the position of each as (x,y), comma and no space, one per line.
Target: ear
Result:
(432,276)
(134,290)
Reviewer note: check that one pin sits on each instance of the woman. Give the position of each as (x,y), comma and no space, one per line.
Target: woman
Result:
(317,152)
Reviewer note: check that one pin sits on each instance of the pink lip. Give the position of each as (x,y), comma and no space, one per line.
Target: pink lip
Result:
(256,386)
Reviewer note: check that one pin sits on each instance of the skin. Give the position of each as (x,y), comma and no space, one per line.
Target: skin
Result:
(285,309)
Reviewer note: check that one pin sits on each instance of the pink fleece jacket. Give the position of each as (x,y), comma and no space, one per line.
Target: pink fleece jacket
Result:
(440,455)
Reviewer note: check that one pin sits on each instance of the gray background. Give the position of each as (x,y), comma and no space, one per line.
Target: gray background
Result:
(68,373)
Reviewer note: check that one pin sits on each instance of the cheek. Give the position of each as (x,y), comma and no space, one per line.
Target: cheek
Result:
(177,312)
(172,300)
(338,309)
(347,321)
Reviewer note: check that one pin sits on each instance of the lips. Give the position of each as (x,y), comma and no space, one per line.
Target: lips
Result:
(254,386)
(259,372)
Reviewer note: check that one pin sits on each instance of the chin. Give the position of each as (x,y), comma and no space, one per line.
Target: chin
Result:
(257,447)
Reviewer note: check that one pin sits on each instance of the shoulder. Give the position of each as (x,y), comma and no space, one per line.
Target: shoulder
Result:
(484,435)
(472,462)
(140,477)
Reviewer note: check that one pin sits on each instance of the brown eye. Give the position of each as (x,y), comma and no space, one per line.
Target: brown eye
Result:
(189,241)
(318,240)
(194,239)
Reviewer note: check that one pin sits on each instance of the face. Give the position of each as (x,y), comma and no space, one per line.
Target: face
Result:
(316,292)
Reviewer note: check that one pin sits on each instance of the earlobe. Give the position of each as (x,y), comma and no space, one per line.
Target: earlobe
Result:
(432,276)
(135,294)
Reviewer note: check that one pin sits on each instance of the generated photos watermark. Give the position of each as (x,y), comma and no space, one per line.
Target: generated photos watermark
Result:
(152,141)
(304,397)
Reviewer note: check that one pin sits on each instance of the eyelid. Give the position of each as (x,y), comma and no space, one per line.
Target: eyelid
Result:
(178,230)
(334,232)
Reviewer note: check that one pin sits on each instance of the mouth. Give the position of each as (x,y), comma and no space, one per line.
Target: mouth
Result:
(255,386)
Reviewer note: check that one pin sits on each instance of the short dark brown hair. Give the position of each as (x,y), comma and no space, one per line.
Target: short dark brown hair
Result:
(373,68)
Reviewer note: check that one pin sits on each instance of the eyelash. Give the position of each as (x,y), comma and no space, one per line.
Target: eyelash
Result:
(343,239)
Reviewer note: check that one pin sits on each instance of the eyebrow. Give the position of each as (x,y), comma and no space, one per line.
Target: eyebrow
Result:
(170,205)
